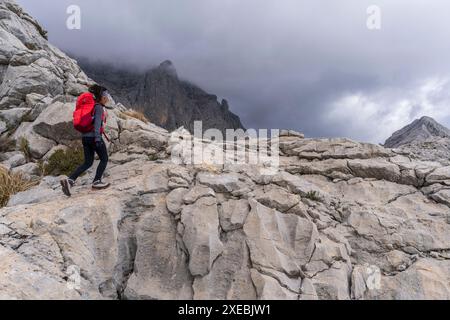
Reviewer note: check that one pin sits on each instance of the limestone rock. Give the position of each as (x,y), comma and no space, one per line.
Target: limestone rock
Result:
(428,277)
(333,283)
(281,242)
(268,288)
(277,198)
(14,159)
(34,195)
(375,168)
(3,126)
(233,214)
(29,170)
(230,276)
(55,123)
(38,145)
(337,219)
(201,234)
(196,193)
(443,196)
(439,175)
(17,274)
(13,117)
(220,183)
(160,267)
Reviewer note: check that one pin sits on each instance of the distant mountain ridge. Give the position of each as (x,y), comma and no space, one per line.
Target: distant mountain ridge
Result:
(165,99)
(419,130)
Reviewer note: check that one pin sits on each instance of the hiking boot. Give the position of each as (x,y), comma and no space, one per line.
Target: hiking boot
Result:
(100,185)
(66,185)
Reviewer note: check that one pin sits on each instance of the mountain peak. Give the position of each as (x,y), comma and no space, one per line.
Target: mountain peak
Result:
(168,67)
(427,119)
(419,130)
(166,63)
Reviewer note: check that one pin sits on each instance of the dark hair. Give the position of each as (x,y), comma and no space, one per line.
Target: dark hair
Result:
(97,91)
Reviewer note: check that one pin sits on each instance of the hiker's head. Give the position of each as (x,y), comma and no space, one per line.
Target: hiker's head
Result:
(104,97)
(100,93)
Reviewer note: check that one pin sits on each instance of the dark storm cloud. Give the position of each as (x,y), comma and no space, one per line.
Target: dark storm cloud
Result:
(309,65)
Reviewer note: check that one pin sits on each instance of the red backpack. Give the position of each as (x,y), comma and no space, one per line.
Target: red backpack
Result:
(83,116)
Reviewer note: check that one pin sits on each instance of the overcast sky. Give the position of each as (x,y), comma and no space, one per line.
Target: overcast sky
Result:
(307,65)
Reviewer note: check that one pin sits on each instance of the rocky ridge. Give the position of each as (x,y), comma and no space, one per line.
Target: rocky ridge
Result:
(163,97)
(338,220)
(423,139)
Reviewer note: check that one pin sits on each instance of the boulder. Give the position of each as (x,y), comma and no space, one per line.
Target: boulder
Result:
(268,288)
(427,279)
(221,183)
(37,144)
(439,175)
(378,168)
(38,77)
(230,277)
(277,198)
(155,180)
(56,123)
(196,193)
(201,234)
(17,274)
(14,159)
(174,200)
(160,266)
(442,196)
(282,242)
(233,214)
(13,117)
(34,195)
(143,139)
(294,184)
(333,283)
(30,170)
(334,148)
(3,127)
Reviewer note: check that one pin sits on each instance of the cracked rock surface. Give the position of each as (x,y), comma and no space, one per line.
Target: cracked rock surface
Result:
(338,220)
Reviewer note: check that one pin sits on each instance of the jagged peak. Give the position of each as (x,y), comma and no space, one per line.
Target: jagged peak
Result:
(168,67)
(429,120)
(420,129)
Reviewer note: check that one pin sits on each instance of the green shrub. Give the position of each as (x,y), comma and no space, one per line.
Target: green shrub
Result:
(12,183)
(314,196)
(64,162)
(24,146)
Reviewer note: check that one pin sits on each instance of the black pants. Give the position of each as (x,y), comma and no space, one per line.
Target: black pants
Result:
(90,149)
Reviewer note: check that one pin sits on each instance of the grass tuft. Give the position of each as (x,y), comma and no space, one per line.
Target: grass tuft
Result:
(12,183)
(24,146)
(314,196)
(136,114)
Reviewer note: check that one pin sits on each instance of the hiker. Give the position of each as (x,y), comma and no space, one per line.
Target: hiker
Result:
(89,118)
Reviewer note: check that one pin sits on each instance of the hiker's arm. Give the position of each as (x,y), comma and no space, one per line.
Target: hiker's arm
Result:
(98,122)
